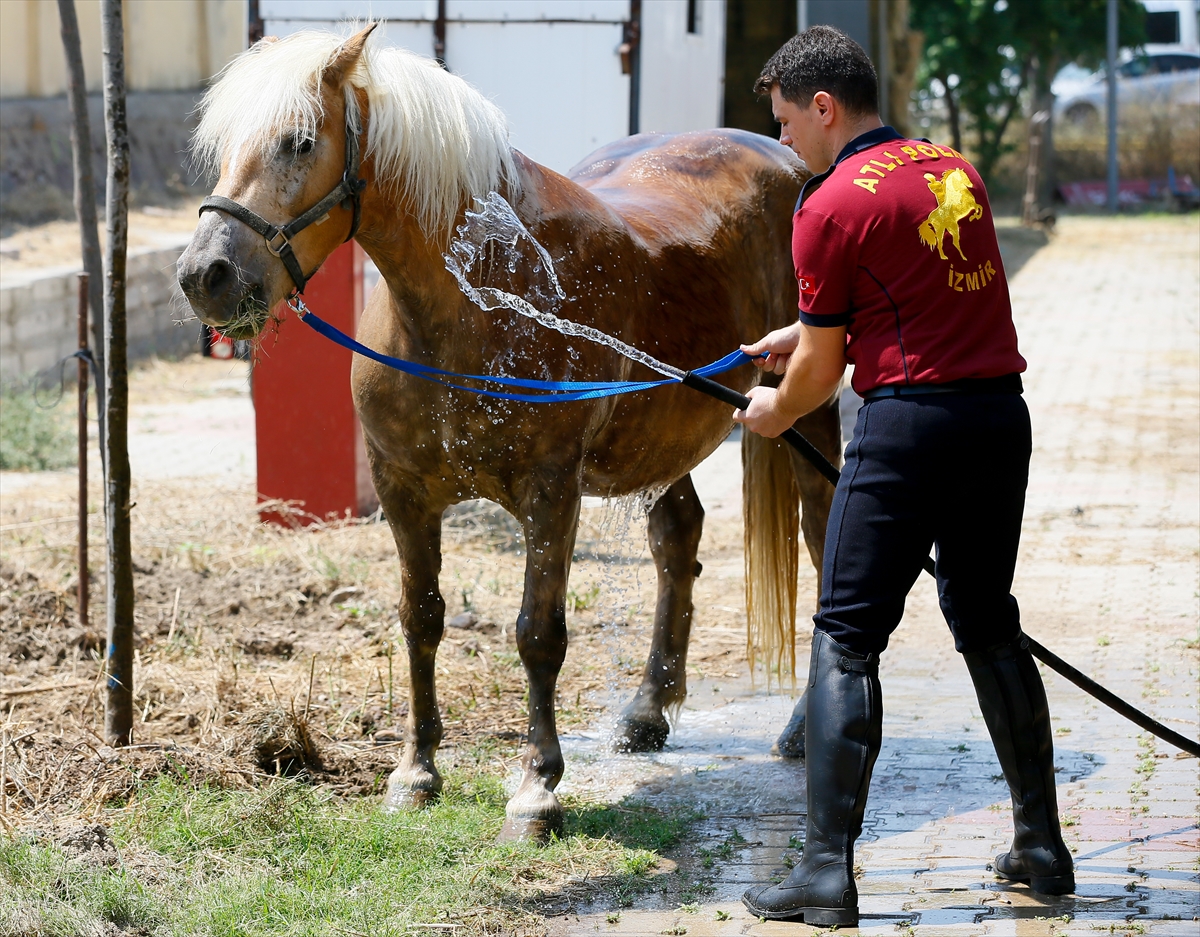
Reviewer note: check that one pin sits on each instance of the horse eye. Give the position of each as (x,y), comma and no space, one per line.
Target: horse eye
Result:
(296,146)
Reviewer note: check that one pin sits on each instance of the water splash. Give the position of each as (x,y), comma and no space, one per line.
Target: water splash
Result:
(494,228)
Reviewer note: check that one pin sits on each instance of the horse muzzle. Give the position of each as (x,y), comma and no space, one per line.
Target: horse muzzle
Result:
(221,293)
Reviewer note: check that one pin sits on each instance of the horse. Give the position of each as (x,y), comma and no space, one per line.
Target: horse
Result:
(677,244)
(954,203)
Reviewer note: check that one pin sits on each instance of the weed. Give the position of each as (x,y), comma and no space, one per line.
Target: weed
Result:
(34,437)
(578,602)
(723,915)
(292,858)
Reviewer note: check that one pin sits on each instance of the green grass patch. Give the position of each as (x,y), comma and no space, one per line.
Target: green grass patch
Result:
(34,437)
(291,859)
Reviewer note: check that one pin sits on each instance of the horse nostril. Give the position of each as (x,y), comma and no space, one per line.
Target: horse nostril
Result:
(217,278)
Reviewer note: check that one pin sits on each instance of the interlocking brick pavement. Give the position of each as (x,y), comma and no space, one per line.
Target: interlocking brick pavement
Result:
(1108,577)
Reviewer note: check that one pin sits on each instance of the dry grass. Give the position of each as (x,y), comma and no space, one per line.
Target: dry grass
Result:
(240,622)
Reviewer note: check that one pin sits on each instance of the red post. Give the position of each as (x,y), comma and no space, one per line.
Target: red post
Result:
(82,596)
(310,449)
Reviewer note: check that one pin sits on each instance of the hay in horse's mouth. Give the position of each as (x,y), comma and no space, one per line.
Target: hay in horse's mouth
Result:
(249,319)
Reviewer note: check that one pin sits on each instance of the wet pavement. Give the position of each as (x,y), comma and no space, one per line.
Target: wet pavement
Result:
(1107,578)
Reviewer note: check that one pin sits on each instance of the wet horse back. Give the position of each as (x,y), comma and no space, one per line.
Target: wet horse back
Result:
(713,212)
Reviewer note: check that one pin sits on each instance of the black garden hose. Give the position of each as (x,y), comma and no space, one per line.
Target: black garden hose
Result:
(1053,661)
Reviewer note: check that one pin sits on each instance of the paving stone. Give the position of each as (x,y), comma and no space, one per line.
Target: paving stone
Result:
(1107,577)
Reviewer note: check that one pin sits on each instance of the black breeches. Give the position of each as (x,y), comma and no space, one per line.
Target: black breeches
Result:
(939,470)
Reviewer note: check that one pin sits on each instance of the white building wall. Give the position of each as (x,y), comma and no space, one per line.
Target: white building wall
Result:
(682,73)
(553,66)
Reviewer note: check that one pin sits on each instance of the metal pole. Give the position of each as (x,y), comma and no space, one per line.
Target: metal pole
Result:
(633,37)
(1112,105)
(439,35)
(883,64)
(82,598)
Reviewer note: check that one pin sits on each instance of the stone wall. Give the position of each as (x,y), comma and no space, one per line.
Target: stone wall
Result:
(36,174)
(38,311)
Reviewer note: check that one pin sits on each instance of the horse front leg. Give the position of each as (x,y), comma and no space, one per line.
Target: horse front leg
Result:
(417,530)
(550,516)
(676,523)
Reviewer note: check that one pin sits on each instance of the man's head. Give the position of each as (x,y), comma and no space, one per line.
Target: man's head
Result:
(824,92)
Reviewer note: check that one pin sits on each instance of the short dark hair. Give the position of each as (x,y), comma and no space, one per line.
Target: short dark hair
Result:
(822,59)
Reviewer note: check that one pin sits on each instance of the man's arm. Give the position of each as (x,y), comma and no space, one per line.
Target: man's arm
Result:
(814,359)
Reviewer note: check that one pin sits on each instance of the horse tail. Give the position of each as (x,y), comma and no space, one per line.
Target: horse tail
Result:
(771,513)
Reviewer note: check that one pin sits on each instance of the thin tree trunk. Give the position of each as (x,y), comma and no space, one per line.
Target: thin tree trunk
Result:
(118,709)
(85,193)
(953,113)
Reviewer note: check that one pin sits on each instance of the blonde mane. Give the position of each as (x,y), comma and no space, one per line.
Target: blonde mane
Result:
(430,133)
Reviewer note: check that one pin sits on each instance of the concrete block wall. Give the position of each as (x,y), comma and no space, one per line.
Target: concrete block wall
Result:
(38,310)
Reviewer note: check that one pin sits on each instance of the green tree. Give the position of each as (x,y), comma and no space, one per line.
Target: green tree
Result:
(983,56)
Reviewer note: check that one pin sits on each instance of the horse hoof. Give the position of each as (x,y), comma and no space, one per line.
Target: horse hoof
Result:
(401,800)
(531,829)
(790,743)
(637,735)
(408,790)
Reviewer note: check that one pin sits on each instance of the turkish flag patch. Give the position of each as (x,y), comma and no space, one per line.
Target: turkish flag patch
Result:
(806,284)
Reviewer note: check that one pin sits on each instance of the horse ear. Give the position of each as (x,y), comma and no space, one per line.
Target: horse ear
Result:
(345,57)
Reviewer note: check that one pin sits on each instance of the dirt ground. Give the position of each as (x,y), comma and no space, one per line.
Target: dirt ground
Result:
(260,648)
(56,243)
(238,621)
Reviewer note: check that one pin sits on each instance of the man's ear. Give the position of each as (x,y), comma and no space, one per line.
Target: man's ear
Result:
(345,57)
(827,107)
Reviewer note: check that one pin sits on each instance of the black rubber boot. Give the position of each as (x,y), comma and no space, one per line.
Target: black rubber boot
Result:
(1013,701)
(843,729)
(790,743)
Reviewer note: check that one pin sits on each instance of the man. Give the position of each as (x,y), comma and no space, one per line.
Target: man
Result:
(899,272)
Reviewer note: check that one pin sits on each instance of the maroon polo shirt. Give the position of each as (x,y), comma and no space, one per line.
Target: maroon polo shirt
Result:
(898,245)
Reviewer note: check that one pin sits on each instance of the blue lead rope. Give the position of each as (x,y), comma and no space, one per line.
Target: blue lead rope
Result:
(550,391)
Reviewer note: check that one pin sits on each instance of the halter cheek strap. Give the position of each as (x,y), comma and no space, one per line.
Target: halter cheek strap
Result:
(347,193)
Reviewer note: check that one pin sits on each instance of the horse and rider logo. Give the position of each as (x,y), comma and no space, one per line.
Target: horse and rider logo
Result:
(954,203)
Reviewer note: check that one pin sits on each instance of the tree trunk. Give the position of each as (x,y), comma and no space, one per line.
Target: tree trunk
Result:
(85,194)
(118,710)
(954,114)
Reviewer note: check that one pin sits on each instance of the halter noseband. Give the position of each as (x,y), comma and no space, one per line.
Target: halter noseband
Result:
(279,237)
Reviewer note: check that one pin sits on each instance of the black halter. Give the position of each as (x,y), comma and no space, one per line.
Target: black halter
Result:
(279,237)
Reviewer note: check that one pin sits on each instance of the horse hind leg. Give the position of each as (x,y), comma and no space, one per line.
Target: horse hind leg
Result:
(823,428)
(417,532)
(676,522)
(954,232)
(551,520)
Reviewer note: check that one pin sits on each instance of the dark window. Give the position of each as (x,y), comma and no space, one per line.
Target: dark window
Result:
(1140,66)
(693,17)
(1162,27)
(1177,63)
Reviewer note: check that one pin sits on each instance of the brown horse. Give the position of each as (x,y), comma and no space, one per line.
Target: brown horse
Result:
(676,244)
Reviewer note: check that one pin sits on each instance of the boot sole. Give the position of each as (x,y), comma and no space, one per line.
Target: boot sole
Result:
(1048,885)
(819,917)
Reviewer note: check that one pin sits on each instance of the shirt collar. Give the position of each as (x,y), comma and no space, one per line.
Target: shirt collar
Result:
(862,142)
(866,140)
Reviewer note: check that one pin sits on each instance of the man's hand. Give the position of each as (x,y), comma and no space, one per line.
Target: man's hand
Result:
(811,359)
(763,415)
(781,344)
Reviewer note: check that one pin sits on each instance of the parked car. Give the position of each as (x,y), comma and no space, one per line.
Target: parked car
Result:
(1156,79)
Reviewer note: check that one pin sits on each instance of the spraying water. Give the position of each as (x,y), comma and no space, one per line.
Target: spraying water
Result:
(494,227)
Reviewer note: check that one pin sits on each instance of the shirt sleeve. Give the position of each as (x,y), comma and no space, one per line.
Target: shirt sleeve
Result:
(826,257)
